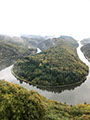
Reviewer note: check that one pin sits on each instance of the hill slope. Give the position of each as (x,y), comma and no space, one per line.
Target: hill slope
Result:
(16,103)
(33,40)
(46,44)
(56,66)
(86,50)
(11,50)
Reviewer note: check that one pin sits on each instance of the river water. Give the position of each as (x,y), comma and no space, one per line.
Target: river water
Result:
(74,96)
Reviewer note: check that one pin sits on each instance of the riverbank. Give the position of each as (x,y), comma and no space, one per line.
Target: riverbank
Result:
(43,87)
(86,50)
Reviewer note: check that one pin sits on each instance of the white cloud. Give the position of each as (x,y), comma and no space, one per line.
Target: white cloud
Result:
(45,17)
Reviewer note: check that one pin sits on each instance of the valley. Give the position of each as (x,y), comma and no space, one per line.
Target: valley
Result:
(59,103)
(73,94)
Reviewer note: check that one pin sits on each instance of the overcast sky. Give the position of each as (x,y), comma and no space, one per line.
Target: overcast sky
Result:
(45,17)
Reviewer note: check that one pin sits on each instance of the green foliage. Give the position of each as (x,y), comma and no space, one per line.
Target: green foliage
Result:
(16,103)
(56,66)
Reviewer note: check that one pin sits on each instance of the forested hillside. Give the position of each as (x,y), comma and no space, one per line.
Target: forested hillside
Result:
(86,50)
(11,50)
(16,103)
(57,66)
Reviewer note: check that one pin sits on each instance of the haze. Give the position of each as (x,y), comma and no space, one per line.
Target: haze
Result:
(45,17)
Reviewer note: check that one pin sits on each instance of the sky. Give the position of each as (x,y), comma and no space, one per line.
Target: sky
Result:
(45,17)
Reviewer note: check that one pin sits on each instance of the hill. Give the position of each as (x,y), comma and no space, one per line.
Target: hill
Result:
(57,66)
(33,40)
(16,103)
(11,49)
(46,44)
(86,50)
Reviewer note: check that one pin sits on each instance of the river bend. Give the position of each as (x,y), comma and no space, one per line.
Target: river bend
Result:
(75,96)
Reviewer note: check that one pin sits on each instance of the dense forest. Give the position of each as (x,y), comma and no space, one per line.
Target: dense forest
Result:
(16,103)
(57,66)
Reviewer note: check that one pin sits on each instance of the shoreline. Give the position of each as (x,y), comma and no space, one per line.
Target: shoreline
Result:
(61,86)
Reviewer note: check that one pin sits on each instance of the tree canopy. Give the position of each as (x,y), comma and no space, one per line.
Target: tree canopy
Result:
(16,103)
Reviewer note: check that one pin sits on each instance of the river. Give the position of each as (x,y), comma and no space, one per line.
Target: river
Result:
(74,96)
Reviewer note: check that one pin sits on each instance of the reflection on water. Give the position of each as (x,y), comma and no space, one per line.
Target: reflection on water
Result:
(70,95)
(59,89)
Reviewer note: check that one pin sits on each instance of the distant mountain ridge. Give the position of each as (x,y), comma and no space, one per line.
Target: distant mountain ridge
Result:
(52,41)
(34,41)
(38,36)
